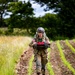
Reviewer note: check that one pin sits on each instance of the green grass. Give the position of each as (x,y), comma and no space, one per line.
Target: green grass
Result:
(10,50)
(16,31)
(69,45)
(49,67)
(64,59)
(74,40)
(30,65)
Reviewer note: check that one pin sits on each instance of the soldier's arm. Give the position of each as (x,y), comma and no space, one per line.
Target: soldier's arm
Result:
(32,42)
(47,40)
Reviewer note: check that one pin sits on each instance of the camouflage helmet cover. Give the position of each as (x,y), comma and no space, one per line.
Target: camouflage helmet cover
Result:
(40,30)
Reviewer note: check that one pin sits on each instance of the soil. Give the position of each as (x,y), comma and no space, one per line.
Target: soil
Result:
(56,62)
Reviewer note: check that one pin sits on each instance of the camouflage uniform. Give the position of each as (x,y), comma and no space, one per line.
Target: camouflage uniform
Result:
(40,55)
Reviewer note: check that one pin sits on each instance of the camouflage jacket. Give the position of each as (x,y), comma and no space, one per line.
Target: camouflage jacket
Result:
(36,39)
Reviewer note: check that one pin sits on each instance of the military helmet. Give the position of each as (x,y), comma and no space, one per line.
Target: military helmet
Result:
(40,30)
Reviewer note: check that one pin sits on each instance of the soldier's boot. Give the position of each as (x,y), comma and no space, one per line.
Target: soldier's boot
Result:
(43,71)
(38,73)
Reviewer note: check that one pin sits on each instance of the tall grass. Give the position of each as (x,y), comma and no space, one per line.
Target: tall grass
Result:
(30,65)
(10,50)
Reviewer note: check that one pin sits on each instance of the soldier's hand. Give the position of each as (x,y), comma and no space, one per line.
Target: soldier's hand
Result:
(34,43)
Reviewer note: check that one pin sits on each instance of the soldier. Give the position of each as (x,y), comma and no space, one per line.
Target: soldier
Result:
(40,55)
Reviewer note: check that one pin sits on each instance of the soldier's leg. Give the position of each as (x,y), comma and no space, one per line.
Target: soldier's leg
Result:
(43,61)
(38,64)
(35,51)
(35,55)
(43,66)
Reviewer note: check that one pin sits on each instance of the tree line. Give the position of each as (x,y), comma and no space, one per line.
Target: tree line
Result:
(59,24)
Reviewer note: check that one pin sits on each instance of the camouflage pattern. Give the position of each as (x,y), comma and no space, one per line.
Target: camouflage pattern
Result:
(44,38)
(40,55)
(36,38)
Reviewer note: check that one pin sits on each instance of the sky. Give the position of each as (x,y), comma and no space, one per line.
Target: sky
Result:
(38,10)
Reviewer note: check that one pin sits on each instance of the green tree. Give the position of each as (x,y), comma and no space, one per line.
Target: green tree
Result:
(66,11)
(52,24)
(21,15)
(3,8)
(67,14)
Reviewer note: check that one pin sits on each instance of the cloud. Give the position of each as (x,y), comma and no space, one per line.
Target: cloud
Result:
(38,10)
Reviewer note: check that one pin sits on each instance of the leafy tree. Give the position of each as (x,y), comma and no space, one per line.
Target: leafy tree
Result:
(67,15)
(21,8)
(21,14)
(66,11)
(52,24)
(65,8)
(3,8)
(35,23)
(51,4)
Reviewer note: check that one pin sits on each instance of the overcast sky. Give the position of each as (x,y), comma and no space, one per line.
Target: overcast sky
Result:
(38,11)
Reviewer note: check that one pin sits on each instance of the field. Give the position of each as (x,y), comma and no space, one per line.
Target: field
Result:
(11,47)
(16,57)
(61,60)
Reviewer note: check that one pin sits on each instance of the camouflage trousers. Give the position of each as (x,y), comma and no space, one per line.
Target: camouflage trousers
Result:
(40,57)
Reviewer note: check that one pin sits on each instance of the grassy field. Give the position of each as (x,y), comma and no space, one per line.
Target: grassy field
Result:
(10,50)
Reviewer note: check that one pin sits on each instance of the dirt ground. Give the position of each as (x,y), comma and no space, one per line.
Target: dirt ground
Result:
(57,64)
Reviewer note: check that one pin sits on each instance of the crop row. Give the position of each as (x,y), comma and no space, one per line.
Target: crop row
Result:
(73,50)
(64,59)
(62,56)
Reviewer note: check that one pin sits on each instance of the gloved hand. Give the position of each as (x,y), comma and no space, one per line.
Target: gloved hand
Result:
(34,43)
